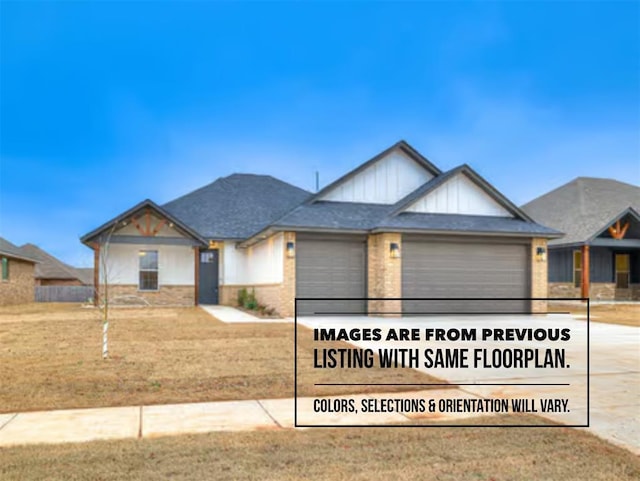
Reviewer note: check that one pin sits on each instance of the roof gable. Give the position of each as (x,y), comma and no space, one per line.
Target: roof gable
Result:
(459,191)
(384,179)
(583,207)
(140,216)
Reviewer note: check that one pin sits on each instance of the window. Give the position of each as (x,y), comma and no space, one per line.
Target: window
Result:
(622,271)
(5,269)
(577,268)
(207,257)
(148,271)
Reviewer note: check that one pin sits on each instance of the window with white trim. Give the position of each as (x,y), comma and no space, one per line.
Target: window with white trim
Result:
(148,271)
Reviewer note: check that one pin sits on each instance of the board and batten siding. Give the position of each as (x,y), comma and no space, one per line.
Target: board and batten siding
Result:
(601,264)
(175,264)
(384,182)
(458,195)
(261,263)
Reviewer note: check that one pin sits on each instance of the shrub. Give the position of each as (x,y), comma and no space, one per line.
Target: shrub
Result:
(250,301)
(242,297)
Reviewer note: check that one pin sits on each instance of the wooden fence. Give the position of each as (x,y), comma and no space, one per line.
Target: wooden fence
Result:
(63,293)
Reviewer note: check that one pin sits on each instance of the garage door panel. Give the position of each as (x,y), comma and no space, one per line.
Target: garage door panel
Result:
(331,269)
(462,270)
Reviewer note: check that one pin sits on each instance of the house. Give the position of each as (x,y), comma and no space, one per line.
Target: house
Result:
(599,256)
(17,279)
(396,226)
(51,271)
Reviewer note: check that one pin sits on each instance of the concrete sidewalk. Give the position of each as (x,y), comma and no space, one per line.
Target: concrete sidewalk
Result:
(231,315)
(79,425)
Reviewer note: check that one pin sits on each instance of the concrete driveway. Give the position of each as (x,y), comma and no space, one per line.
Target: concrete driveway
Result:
(614,360)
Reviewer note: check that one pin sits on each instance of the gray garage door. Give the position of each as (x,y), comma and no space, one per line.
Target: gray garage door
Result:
(461,269)
(330,267)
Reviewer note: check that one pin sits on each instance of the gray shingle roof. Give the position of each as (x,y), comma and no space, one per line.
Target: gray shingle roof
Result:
(335,215)
(583,207)
(49,267)
(464,223)
(237,206)
(355,216)
(86,275)
(10,250)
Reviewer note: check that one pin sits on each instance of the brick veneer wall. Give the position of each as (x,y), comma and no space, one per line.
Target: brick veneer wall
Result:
(19,288)
(164,296)
(539,276)
(384,274)
(605,291)
(266,294)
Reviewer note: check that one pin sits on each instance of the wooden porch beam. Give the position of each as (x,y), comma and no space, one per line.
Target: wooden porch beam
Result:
(158,226)
(96,274)
(618,232)
(586,281)
(134,221)
(196,252)
(147,217)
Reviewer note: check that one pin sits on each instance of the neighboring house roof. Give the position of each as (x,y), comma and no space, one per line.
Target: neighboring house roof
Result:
(49,267)
(86,275)
(10,250)
(237,206)
(584,207)
(142,206)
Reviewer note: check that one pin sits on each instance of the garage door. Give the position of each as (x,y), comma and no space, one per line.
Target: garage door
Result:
(464,268)
(330,267)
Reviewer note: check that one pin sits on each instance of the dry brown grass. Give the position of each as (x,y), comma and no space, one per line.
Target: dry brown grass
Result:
(374,454)
(624,314)
(50,358)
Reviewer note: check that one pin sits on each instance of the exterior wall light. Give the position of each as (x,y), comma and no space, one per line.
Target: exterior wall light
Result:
(541,254)
(394,250)
(291,249)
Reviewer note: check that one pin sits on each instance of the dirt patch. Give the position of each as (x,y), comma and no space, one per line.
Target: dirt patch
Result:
(624,314)
(51,359)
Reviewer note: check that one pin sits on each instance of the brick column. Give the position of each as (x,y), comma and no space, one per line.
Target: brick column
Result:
(384,276)
(539,278)
(288,288)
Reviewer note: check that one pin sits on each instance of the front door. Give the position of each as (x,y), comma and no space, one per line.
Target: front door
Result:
(623,265)
(208,282)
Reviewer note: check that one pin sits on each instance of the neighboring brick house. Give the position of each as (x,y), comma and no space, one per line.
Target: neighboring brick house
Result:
(599,255)
(396,226)
(51,271)
(17,277)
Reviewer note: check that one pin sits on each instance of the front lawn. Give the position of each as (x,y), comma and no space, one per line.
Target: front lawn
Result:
(50,358)
(373,454)
(616,313)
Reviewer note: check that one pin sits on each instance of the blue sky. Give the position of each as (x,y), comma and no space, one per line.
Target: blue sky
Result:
(104,104)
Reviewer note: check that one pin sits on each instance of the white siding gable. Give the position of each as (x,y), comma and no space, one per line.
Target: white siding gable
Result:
(459,195)
(384,182)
